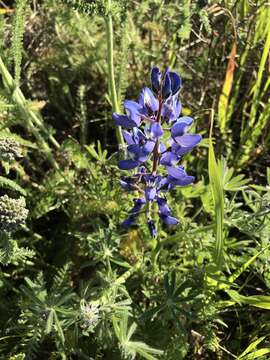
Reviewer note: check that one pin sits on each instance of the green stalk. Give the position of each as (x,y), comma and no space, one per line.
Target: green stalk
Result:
(216,186)
(29,116)
(111,75)
(17,95)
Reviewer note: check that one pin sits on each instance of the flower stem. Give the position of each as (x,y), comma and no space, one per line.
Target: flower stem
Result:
(111,75)
(156,148)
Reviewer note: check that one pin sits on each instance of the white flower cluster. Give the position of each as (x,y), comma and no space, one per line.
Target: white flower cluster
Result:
(9,150)
(90,313)
(12,213)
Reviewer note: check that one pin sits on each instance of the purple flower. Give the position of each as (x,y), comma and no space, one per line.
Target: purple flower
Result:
(171,108)
(168,220)
(150,146)
(152,228)
(150,193)
(139,147)
(165,212)
(156,130)
(128,164)
(168,83)
(156,76)
(169,158)
(134,212)
(178,176)
(163,207)
(148,101)
(135,113)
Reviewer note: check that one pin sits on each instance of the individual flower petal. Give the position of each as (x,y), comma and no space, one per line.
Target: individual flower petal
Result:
(179,128)
(142,157)
(169,158)
(175,82)
(129,221)
(128,164)
(138,153)
(180,150)
(163,206)
(171,108)
(178,176)
(134,149)
(138,204)
(162,184)
(176,172)
(166,87)
(128,137)
(123,120)
(168,220)
(162,148)
(152,228)
(156,79)
(134,111)
(188,140)
(156,130)
(148,147)
(148,100)
(126,185)
(187,180)
(150,193)
(139,136)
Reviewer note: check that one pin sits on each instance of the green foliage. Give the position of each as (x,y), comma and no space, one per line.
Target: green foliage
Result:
(74,285)
(215,177)
(96,6)
(17,37)
(128,347)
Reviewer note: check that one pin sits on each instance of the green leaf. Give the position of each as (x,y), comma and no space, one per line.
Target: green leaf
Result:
(239,271)
(251,346)
(259,301)
(216,185)
(58,327)
(49,322)
(256,354)
(11,185)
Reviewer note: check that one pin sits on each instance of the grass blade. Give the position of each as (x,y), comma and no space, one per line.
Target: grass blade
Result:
(218,197)
(226,90)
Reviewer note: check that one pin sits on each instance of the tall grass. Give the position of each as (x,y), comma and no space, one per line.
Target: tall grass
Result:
(216,185)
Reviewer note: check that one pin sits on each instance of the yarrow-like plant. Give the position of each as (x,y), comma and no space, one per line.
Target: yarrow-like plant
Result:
(13,213)
(157,139)
(10,150)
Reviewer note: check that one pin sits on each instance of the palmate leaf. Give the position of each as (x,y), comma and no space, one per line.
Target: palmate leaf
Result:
(132,348)
(216,184)
(230,182)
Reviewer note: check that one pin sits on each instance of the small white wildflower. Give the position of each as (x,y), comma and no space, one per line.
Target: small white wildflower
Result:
(12,213)
(90,313)
(9,150)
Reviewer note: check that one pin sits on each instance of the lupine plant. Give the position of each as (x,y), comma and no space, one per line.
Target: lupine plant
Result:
(157,138)
(73,284)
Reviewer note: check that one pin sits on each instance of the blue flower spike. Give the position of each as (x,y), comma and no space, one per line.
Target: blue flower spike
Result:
(153,157)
